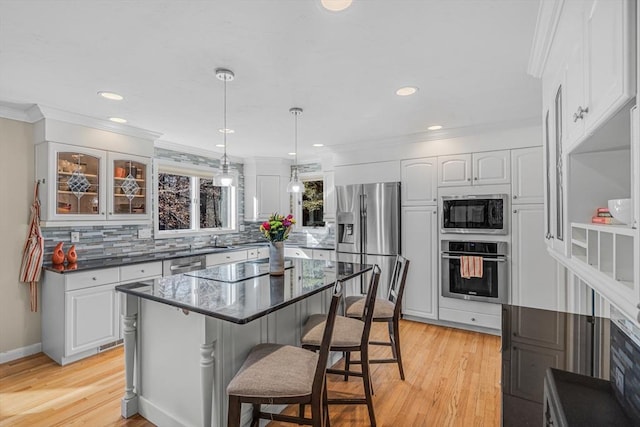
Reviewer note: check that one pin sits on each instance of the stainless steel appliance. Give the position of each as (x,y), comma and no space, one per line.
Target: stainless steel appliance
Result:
(183,265)
(493,286)
(477,214)
(368,227)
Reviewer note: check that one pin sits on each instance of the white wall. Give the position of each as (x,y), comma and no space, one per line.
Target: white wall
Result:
(19,327)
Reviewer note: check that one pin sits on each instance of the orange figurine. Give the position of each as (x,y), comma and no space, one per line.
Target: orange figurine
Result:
(72,256)
(58,254)
(72,266)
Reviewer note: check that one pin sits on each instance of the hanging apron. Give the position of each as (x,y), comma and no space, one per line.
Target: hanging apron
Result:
(33,252)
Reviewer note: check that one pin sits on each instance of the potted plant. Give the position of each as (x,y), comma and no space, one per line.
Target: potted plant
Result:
(276,230)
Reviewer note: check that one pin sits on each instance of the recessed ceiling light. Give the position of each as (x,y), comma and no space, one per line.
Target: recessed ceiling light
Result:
(111,95)
(226,131)
(435,127)
(291,154)
(406,91)
(220,145)
(336,5)
(118,120)
(318,145)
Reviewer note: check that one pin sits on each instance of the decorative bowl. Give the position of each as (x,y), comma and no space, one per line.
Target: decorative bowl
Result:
(620,209)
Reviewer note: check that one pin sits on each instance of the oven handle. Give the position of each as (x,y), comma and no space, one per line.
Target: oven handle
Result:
(483,259)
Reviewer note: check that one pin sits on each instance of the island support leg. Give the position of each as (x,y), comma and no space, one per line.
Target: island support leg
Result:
(207,362)
(129,403)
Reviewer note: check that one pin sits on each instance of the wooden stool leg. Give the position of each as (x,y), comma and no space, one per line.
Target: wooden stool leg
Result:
(327,422)
(233,419)
(368,387)
(396,340)
(347,364)
(255,418)
(301,411)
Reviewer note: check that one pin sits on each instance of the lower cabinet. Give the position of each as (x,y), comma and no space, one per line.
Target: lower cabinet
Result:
(81,310)
(226,257)
(420,247)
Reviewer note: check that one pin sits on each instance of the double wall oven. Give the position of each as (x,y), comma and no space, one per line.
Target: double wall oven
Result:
(466,223)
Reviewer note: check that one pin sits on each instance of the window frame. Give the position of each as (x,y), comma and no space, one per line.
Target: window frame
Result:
(297,200)
(195,172)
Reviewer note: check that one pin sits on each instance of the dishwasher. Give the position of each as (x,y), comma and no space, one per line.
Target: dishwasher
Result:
(183,265)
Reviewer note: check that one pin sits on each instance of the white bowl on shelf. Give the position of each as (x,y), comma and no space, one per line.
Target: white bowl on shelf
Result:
(620,209)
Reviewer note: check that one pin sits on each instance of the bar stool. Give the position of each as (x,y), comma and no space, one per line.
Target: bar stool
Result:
(386,310)
(349,335)
(284,374)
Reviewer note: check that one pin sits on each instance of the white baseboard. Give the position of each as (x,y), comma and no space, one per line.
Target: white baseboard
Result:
(18,353)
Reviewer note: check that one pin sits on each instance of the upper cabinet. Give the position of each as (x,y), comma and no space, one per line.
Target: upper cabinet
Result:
(265,181)
(527,175)
(419,181)
(84,184)
(492,167)
(329,196)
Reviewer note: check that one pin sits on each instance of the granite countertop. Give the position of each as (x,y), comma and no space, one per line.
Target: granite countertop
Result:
(116,261)
(244,291)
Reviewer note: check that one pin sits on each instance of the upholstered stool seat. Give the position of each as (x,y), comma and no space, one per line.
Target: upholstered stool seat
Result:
(346,331)
(276,370)
(383,308)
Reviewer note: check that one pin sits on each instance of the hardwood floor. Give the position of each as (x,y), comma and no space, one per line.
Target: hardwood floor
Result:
(452,379)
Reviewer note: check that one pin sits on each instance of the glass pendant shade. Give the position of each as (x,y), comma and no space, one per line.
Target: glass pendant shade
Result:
(223,178)
(295,185)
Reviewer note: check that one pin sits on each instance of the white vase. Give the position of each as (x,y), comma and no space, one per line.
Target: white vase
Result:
(276,258)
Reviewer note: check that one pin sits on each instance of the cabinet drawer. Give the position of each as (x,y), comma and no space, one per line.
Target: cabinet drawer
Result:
(226,257)
(298,253)
(140,271)
(324,254)
(88,279)
(470,318)
(252,253)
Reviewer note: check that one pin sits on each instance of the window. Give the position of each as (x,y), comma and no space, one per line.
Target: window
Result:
(311,204)
(188,202)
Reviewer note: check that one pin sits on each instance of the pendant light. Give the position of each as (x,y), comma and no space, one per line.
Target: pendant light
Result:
(295,185)
(224,178)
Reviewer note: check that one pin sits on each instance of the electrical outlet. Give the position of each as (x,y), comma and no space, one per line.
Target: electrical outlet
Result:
(618,380)
(75,236)
(144,233)
(241,227)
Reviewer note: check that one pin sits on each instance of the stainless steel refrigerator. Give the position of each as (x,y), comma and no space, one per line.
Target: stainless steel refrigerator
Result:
(368,228)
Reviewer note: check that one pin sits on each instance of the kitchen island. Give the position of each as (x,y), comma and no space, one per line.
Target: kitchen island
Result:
(187,335)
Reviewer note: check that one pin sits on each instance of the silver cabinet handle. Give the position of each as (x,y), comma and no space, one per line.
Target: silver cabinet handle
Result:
(579,114)
(435,200)
(515,197)
(141,271)
(468,179)
(515,211)
(475,178)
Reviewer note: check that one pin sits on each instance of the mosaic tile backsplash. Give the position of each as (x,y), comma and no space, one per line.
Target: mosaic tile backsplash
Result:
(122,240)
(625,356)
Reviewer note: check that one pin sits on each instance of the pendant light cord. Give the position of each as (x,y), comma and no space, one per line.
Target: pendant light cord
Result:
(296,145)
(225,122)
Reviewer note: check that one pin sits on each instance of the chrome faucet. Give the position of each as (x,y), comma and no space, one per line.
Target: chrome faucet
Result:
(215,241)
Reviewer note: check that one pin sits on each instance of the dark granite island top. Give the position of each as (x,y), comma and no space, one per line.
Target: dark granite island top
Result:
(244,291)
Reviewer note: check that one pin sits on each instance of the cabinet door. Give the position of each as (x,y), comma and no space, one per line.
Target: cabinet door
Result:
(574,72)
(268,194)
(91,318)
(609,43)
(527,175)
(533,270)
(419,241)
(329,195)
(76,183)
(528,366)
(419,181)
(493,167)
(129,187)
(454,170)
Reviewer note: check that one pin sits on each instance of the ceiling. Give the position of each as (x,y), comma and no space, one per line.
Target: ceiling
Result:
(467,57)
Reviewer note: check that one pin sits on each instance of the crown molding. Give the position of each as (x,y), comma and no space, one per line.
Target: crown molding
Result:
(546,25)
(16,111)
(38,112)
(436,135)
(197,151)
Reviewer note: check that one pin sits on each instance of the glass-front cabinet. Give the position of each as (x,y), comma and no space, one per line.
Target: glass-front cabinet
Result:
(129,178)
(84,184)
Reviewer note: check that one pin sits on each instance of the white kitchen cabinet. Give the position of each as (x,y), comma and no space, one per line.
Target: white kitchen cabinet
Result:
(266,188)
(420,247)
(533,270)
(81,310)
(527,173)
(419,179)
(476,314)
(84,184)
(226,257)
(258,252)
(91,319)
(295,252)
(329,196)
(491,167)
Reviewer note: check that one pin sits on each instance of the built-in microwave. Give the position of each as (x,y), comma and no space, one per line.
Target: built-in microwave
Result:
(476,214)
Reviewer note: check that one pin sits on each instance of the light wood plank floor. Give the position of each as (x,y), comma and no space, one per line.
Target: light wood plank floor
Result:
(452,379)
